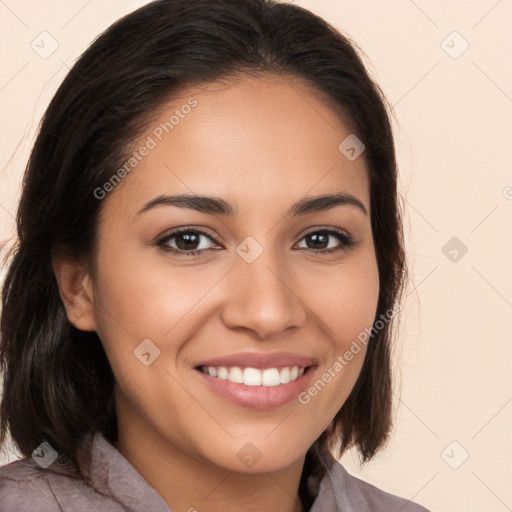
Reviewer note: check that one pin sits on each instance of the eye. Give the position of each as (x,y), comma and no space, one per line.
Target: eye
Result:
(320,237)
(186,242)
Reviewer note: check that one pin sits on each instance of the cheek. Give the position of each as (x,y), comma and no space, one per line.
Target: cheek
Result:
(346,304)
(131,292)
(139,296)
(346,301)
(126,311)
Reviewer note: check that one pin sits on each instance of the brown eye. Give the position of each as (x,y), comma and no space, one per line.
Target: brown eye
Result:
(187,242)
(319,241)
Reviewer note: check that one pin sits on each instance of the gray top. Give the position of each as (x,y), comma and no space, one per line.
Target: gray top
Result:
(111,484)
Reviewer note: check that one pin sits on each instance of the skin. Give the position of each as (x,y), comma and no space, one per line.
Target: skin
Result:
(261,144)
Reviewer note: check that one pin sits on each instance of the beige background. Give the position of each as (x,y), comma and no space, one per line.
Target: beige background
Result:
(454,132)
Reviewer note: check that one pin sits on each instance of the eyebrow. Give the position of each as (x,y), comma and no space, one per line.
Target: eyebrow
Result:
(218,206)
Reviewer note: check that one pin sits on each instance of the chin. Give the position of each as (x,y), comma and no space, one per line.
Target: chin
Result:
(261,455)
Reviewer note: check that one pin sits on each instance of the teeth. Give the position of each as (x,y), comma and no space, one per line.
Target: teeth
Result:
(270,377)
(236,375)
(255,377)
(284,375)
(252,377)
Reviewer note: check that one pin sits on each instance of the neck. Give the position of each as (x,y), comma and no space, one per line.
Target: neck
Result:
(189,484)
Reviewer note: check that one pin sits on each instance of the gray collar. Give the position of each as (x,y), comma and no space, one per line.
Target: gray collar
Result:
(106,470)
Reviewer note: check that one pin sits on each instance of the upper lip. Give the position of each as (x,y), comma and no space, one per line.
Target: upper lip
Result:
(260,360)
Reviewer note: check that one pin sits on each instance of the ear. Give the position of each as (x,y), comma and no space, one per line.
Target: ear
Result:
(76,292)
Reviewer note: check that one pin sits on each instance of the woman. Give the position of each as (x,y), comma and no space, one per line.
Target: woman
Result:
(198,313)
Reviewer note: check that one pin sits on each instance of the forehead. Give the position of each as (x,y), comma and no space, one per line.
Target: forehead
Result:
(263,141)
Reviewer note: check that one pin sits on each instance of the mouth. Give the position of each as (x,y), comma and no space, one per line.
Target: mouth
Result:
(256,388)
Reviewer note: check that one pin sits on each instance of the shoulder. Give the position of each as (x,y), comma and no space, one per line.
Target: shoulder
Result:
(22,485)
(365,496)
(25,486)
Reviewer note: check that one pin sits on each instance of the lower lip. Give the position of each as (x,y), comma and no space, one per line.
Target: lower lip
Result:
(258,397)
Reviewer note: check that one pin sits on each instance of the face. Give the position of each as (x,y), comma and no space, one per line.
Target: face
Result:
(249,288)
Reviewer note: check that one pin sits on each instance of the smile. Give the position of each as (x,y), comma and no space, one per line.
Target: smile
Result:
(254,388)
(254,376)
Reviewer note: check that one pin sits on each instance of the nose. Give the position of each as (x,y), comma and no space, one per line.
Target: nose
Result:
(264,297)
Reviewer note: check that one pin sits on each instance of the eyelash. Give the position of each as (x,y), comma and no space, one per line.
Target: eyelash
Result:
(347,241)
